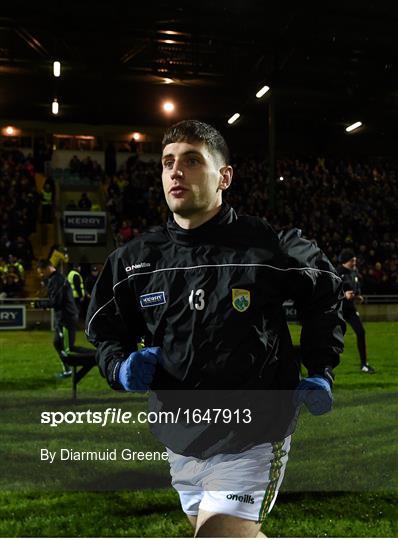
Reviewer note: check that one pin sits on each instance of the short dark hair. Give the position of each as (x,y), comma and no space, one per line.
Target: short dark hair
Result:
(195,131)
(43,263)
(346,255)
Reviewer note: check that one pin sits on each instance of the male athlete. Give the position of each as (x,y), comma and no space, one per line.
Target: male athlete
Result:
(206,292)
(352,294)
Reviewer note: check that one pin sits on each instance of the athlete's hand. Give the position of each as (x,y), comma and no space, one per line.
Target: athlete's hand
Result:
(136,373)
(316,393)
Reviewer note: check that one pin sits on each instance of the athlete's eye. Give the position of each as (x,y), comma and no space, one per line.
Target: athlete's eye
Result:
(168,164)
(192,161)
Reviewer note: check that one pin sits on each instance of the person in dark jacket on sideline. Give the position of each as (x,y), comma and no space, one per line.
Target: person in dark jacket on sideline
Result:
(352,294)
(205,295)
(65,311)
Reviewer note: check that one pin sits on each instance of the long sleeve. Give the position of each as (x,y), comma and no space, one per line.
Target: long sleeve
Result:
(312,282)
(113,321)
(55,288)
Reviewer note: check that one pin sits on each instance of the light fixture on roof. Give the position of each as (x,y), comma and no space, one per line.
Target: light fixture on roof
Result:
(9,130)
(168,106)
(136,136)
(262,91)
(356,125)
(57,68)
(55,106)
(233,118)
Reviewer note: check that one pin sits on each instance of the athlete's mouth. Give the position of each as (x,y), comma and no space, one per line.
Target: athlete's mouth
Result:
(177,189)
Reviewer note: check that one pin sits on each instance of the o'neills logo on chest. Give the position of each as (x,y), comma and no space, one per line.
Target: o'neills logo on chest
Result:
(137,266)
(152,299)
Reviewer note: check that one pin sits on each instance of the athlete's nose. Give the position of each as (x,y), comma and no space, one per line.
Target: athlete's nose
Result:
(176,173)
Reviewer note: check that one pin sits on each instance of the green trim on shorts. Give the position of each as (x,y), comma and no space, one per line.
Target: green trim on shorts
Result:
(274,475)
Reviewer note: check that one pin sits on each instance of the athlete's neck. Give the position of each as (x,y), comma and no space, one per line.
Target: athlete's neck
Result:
(196,220)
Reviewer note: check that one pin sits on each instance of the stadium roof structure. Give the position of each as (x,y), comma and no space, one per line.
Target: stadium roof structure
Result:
(327,66)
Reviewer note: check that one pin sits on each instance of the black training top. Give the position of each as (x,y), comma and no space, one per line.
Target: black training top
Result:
(211,298)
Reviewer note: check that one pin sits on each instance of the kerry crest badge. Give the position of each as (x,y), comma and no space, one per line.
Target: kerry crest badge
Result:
(240,299)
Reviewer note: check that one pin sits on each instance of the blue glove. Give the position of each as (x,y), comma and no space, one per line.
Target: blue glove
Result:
(136,373)
(316,393)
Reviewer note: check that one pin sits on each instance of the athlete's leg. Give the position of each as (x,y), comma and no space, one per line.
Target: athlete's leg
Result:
(58,343)
(211,524)
(354,320)
(192,520)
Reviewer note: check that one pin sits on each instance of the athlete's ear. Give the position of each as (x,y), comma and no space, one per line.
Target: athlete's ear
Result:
(226,174)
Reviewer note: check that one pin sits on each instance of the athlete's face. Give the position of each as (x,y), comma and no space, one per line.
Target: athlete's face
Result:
(193,178)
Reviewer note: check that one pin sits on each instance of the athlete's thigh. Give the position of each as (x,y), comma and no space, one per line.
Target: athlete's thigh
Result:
(211,524)
(192,520)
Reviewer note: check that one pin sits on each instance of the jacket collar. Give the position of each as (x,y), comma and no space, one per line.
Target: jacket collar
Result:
(204,232)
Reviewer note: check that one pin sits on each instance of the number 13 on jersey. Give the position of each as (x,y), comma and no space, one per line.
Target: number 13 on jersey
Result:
(197,299)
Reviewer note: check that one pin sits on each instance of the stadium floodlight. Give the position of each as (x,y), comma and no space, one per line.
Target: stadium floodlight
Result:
(55,106)
(57,68)
(10,130)
(136,136)
(168,106)
(262,91)
(356,125)
(233,118)
(281,179)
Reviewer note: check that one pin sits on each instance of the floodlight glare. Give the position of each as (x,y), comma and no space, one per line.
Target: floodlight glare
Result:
(168,106)
(136,136)
(262,91)
(233,118)
(10,130)
(356,125)
(55,106)
(57,68)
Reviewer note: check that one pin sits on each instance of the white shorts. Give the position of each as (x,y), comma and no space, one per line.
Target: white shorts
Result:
(244,485)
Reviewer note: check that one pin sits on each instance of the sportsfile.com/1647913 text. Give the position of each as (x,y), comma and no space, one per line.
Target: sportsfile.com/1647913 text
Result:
(118,416)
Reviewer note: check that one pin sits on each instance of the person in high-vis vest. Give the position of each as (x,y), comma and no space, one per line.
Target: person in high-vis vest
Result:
(76,282)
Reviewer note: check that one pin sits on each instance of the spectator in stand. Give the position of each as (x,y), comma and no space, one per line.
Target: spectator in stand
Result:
(91,279)
(22,249)
(12,283)
(126,231)
(74,164)
(110,160)
(84,202)
(17,266)
(71,205)
(46,203)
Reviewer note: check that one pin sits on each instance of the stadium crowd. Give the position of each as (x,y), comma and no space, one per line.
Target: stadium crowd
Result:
(87,168)
(19,203)
(341,204)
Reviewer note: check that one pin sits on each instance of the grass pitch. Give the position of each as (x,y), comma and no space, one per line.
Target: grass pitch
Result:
(341,478)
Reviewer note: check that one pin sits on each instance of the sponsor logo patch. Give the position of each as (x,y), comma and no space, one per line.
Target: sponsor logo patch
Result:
(240,299)
(152,299)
